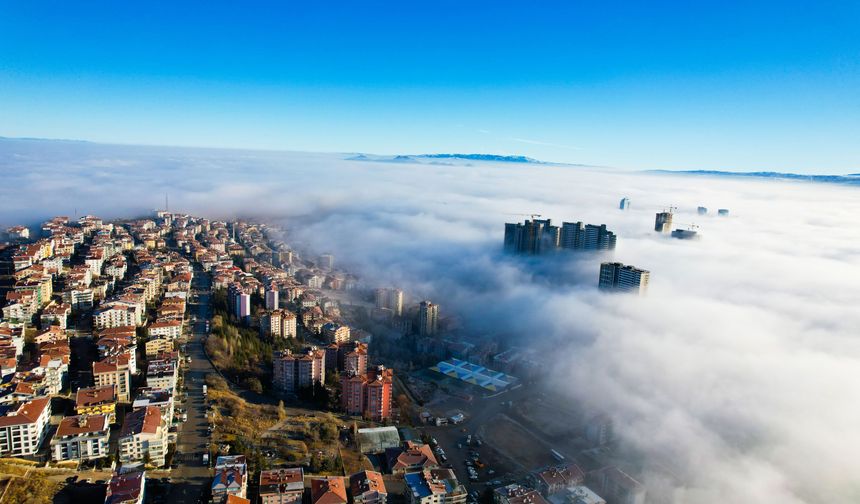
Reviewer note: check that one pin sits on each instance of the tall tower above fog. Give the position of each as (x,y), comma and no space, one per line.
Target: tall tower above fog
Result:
(618,277)
(428,318)
(663,222)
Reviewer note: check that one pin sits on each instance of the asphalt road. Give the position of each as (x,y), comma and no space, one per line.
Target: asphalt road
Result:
(192,477)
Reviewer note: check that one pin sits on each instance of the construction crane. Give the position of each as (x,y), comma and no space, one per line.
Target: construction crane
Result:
(690,225)
(526,215)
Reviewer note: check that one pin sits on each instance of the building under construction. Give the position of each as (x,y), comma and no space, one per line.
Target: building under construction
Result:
(663,222)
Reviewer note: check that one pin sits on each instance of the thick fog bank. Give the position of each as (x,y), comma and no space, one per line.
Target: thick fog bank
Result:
(739,371)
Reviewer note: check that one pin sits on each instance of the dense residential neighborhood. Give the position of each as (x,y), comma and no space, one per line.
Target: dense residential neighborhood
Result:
(178,359)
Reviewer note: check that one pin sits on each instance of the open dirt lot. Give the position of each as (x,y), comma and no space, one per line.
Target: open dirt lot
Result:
(548,418)
(516,443)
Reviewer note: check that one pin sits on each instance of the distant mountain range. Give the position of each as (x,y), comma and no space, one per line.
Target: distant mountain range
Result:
(448,159)
(851,179)
(484,157)
(55,140)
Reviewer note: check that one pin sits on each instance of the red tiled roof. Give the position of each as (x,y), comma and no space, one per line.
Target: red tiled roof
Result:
(366,481)
(28,412)
(124,487)
(82,424)
(142,421)
(94,396)
(328,491)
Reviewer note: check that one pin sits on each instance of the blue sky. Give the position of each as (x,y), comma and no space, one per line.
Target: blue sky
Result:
(675,85)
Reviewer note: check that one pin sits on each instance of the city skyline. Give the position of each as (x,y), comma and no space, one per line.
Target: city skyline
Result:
(430,252)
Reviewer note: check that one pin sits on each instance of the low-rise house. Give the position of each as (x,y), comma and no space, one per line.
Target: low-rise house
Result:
(23,430)
(231,478)
(282,486)
(330,490)
(367,487)
(81,437)
(143,436)
(434,486)
(126,488)
(412,457)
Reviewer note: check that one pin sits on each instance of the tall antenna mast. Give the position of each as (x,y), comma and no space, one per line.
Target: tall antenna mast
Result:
(166,205)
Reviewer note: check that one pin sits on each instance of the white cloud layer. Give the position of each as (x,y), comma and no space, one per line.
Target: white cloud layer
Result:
(739,372)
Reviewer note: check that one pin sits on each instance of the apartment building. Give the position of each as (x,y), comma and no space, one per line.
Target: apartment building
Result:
(552,480)
(81,437)
(278,323)
(56,314)
(428,318)
(390,299)
(115,316)
(55,369)
(293,372)
(162,374)
(618,487)
(165,329)
(114,371)
(160,398)
(97,401)
(158,345)
(336,333)
(23,430)
(355,360)
(368,395)
(143,435)
(617,277)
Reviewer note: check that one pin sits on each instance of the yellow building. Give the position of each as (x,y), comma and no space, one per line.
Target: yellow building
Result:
(156,345)
(97,401)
